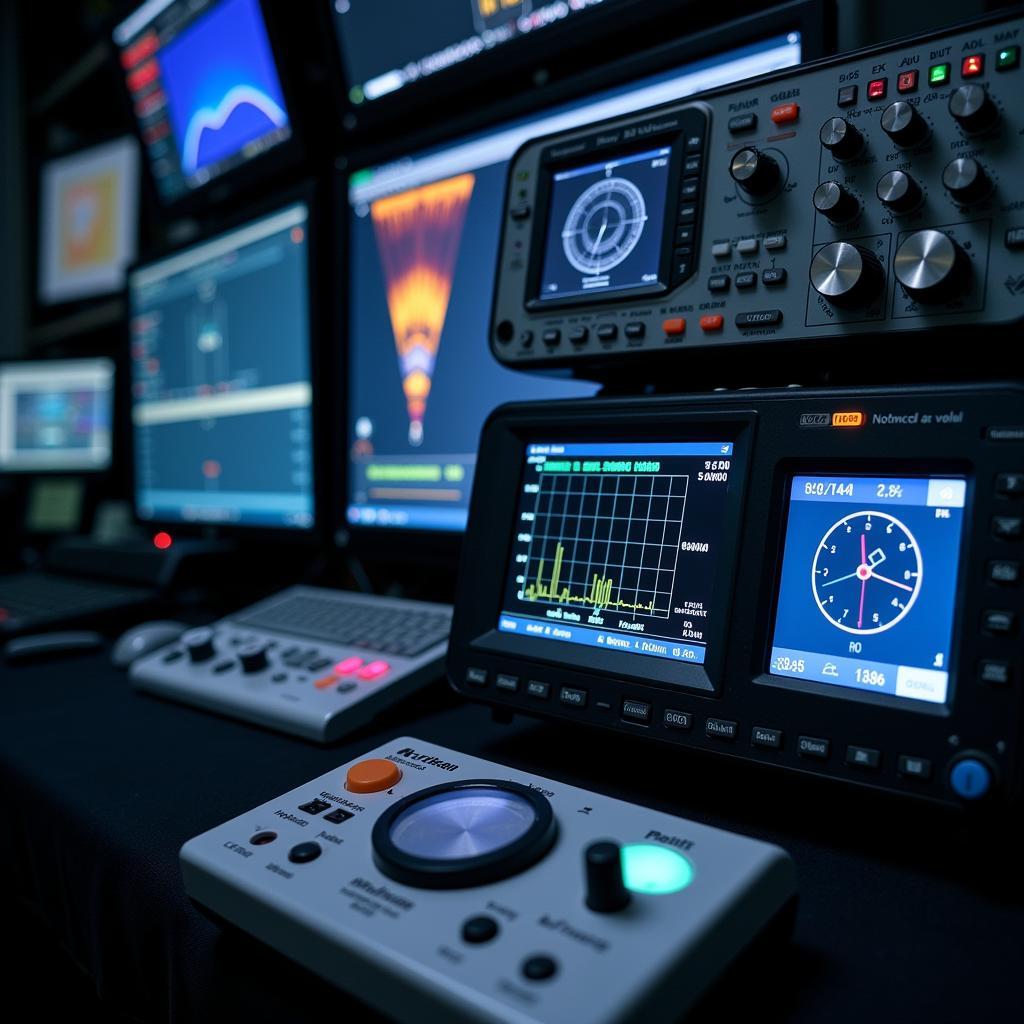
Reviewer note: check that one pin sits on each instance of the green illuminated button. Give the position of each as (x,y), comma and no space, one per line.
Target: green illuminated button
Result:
(656,870)
(938,74)
(1007,58)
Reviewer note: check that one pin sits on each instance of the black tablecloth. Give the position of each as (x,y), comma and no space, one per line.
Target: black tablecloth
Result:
(906,913)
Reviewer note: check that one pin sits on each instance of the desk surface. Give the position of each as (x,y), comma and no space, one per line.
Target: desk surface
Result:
(906,913)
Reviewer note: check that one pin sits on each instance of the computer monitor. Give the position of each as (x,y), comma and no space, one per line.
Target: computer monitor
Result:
(55,415)
(88,221)
(221,381)
(204,87)
(423,243)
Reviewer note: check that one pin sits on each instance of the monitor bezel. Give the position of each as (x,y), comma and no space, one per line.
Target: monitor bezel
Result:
(91,472)
(243,179)
(811,19)
(319,370)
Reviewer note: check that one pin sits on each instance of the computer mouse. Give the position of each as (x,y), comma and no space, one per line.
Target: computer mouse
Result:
(142,639)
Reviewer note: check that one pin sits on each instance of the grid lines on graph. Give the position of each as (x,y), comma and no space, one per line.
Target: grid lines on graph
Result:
(606,541)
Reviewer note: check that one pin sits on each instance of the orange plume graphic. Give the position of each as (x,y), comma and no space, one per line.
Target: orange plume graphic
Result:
(418,234)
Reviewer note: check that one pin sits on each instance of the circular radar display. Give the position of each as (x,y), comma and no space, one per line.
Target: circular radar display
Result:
(604,225)
(866,573)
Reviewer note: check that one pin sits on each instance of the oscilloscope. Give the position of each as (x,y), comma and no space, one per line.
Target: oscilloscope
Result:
(826,581)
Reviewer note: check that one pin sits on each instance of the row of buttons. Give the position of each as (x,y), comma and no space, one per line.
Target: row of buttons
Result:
(1004,572)
(748,246)
(552,337)
(784,113)
(772,277)
(682,256)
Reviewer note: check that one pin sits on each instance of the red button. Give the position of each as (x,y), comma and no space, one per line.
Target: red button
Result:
(907,82)
(324,681)
(348,666)
(785,112)
(712,322)
(877,89)
(674,325)
(972,66)
(373,670)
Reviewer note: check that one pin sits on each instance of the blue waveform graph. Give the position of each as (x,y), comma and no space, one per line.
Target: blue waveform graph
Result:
(223,90)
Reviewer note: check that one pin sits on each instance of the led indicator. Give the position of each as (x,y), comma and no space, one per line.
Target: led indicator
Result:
(847,419)
(656,870)
(162,540)
(1007,58)
(972,66)
(877,89)
(938,74)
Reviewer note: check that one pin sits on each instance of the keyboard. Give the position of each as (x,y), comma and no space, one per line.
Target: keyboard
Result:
(30,600)
(309,661)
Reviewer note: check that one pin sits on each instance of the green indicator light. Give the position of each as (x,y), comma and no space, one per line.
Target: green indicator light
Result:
(938,74)
(656,870)
(1008,58)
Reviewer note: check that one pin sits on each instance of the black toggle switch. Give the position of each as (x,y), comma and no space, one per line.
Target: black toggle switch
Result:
(606,892)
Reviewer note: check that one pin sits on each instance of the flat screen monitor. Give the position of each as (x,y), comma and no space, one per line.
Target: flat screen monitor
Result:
(387,45)
(55,415)
(88,221)
(221,384)
(204,87)
(424,234)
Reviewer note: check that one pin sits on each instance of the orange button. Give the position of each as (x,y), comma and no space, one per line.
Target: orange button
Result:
(324,681)
(372,776)
(674,325)
(785,112)
(712,322)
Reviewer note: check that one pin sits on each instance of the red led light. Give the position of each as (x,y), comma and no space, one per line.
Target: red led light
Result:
(162,540)
(877,89)
(972,66)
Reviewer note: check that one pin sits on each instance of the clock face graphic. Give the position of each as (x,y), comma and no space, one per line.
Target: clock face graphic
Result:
(866,572)
(604,225)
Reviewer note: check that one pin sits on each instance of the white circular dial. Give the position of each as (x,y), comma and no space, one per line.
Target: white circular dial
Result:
(604,225)
(867,572)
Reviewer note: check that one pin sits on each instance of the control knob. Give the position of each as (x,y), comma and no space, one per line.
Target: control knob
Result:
(898,191)
(903,124)
(930,265)
(973,109)
(846,275)
(832,200)
(253,656)
(755,172)
(966,180)
(199,644)
(606,891)
(840,138)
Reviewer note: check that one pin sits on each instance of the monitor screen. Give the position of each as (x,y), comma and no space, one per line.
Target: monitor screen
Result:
(424,238)
(615,546)
(88,221)
(868,589)
(221,393)
(387,45)
(55,415)
(204,87)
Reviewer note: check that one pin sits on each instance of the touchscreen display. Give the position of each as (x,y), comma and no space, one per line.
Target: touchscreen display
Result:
(616,546)
(605,227)
(868,588)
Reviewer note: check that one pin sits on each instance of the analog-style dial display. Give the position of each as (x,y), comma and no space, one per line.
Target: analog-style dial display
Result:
(604,225)
(867,572)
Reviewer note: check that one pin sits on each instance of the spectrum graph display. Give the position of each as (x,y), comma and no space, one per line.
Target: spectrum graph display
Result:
(205,89)
(616,545)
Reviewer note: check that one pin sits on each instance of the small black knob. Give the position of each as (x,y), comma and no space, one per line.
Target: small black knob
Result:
(755,172)
(846,275)
(199,644)
(832,200)
(840,138)
(973,109)
(606,891)
(253,657)
(931,266)
(898,191)
(903,124)
(966,180)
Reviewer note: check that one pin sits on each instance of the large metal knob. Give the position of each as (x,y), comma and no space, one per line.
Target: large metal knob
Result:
(846,275)
(832,200)
(903,124)
(755,172)
(930,265)
(973,109)
(840,138)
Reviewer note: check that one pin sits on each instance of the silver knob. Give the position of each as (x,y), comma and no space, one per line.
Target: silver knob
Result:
(846,275)
(898,191)
(930,265)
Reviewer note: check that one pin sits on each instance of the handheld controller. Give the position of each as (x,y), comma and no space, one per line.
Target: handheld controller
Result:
(431,883)
(877,192)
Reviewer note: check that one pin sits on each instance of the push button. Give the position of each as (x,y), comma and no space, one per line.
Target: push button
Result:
(762,736)
(520,212)
(506,682)
(877,89)
(325,681)
(760,318)
(847,96)
(339,816)
(938,74)
(718,283)
(374,670)
(906,82)
(538,690)
(747,279)
(813,746)
(572,697)
(748,246)
(721,250)
(635,330)
(303,853)
(262,838)
(636,711)
(863,757)
(684,234)
(972,66)
(689,188)
(998,621)
(712,321)
(316,806)
(995,673)
(552,337)
(919,768)
(476,676)
(1011,485)
(785,113)
(539,968)
(775,243)
(372,776)
(674,326)
(347,666)
(607,332)
(721,729)
(1007,527)
(1004,572)
(579,335)
(478,930)
(742,123)
(674,719)
(970,778)
(1008,58)
(772,276)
